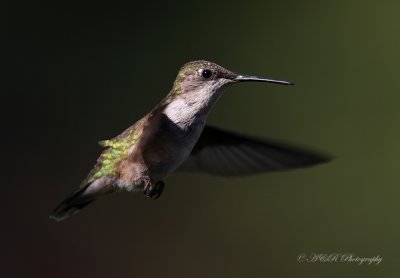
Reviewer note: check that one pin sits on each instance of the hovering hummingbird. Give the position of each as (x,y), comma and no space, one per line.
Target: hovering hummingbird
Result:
(174,135)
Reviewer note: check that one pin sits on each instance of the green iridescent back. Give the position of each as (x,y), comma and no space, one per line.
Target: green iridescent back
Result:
(116,150)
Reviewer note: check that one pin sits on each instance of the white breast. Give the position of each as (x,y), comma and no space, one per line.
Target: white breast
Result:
(181,113)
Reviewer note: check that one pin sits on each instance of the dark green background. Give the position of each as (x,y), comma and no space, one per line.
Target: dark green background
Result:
(79,73)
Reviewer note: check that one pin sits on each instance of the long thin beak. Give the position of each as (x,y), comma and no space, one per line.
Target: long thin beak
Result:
(243,78)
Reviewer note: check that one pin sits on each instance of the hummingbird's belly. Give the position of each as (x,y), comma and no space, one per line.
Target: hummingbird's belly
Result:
(169,147)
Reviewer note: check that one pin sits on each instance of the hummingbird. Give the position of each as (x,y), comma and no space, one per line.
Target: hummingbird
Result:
(174,136)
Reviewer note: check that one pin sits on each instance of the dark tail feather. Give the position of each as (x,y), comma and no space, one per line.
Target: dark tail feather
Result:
(72,205)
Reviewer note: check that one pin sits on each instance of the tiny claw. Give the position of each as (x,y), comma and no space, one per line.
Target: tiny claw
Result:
(154,191)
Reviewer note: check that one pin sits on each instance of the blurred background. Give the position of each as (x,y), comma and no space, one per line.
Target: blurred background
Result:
(81,72)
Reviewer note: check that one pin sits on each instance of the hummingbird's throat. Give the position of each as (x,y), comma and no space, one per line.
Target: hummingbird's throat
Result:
(191,107)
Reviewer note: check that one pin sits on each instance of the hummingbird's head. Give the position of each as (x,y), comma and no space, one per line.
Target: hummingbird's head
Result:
(199,85)
(209,78)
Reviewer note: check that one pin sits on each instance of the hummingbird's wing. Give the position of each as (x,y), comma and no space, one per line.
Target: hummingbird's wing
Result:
(225,153)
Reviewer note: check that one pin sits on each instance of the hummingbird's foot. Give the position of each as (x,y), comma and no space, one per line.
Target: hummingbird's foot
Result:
(154,190)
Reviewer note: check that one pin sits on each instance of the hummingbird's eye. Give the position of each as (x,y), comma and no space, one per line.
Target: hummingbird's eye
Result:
(206,73)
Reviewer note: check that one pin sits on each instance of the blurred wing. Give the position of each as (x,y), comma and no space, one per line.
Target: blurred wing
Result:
(225,153)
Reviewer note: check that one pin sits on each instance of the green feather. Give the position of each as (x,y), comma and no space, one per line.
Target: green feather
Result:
(116,150)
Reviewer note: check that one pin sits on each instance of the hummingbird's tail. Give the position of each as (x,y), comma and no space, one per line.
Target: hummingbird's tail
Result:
(73,204)
(81,198)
